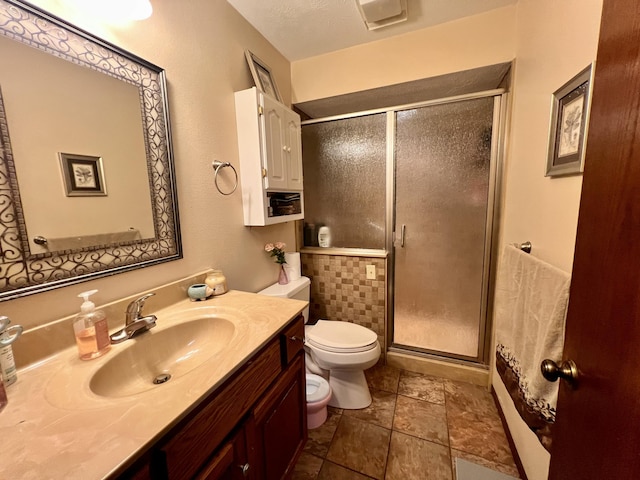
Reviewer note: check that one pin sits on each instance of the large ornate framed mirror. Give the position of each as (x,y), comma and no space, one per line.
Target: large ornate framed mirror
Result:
(87,181)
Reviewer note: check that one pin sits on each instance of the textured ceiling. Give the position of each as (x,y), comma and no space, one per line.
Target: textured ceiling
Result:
(306,28)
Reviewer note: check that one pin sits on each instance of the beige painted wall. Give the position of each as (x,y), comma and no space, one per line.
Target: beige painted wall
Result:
(471,42)
(550,51)
(66,109)
(555,40)
(201,45)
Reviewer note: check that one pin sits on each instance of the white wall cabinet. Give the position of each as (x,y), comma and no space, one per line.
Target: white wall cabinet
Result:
(270,148)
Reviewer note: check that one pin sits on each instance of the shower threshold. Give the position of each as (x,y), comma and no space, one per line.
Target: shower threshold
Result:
(431,364)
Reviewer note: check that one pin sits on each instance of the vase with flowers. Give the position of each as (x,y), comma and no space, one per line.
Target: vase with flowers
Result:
(277,250)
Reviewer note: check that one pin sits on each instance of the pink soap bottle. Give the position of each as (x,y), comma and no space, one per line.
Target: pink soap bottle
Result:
(91,329)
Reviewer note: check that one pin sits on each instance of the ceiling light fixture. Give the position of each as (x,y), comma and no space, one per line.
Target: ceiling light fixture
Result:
(382,13)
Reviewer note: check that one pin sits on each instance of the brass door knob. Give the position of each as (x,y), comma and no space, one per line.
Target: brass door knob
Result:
(567,370)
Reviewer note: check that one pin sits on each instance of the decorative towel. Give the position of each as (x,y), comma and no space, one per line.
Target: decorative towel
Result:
(73,243)
(530,304)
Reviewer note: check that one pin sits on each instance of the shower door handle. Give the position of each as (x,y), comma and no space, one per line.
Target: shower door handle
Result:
(402,230)
(400,240)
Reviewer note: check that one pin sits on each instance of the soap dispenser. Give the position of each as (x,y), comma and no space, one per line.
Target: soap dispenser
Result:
(91,330)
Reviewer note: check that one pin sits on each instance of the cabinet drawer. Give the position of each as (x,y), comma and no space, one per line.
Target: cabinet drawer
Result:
(188,449)
(292,340)
(230,462)
(220,465)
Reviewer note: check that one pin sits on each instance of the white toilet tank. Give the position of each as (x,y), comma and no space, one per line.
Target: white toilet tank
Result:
(299,289)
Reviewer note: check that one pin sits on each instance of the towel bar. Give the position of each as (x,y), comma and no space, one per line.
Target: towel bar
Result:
(525,247)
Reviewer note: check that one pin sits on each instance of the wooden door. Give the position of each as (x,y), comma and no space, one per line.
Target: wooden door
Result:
(597,433)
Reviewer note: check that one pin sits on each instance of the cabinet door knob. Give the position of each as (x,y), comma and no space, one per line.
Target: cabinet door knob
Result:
(244,469)
(296,339)
(284,147)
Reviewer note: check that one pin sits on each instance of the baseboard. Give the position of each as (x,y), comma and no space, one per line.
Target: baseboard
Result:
(512,445)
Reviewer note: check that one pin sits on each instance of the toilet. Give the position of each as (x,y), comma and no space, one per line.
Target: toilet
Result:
(335,350)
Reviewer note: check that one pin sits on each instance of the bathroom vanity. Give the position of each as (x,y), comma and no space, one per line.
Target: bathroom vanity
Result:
(253,426)
(233,408)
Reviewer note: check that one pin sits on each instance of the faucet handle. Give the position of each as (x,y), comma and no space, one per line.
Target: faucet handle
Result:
(135,307)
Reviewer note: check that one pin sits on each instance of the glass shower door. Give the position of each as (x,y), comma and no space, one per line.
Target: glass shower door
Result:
(442,181)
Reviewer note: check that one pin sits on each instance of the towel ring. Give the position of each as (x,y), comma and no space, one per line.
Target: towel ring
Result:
(217,166)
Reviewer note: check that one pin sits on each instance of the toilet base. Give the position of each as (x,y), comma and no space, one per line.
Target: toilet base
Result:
(350,389)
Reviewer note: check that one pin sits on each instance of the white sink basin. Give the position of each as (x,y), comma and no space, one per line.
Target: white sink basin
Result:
(153,355)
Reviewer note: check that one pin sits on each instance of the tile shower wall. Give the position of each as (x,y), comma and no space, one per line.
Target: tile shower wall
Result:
(340,290)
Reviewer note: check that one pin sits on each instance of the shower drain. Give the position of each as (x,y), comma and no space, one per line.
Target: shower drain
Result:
(162,378)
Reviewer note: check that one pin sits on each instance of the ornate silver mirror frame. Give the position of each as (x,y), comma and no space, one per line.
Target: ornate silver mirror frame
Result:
(22,272)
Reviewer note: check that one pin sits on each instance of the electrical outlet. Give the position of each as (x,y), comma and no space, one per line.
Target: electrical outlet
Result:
(371,272)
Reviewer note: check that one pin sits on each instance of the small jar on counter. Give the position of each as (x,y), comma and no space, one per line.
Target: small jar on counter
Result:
(217,282)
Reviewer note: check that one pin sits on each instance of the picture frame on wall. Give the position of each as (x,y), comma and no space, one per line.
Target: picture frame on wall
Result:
(570,108)
(83,175)
(262,76)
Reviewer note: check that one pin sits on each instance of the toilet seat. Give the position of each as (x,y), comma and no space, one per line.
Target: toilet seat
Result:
(340,337)
(317,388)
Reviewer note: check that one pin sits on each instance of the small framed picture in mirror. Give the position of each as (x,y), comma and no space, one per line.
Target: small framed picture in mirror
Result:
(262,76)
(83,175)
(569,123)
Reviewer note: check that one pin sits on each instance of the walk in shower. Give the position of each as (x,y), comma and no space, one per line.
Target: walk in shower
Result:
(414,184)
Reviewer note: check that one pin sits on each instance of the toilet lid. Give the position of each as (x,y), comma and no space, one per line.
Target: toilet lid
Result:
(344,337)
(317,388)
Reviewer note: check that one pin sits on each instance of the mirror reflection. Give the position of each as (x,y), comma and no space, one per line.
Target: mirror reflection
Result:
(72,109)
(86,171)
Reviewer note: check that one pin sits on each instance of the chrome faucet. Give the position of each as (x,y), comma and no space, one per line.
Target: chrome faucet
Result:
(135,323)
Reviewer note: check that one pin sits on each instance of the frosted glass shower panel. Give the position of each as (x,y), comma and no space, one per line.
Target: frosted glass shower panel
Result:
(443,156)
(344,180)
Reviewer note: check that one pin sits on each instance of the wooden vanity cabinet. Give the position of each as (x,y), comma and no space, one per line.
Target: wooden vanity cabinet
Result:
(253,427)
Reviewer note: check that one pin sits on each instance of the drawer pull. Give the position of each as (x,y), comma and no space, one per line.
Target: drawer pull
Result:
(296,339)
(244,469)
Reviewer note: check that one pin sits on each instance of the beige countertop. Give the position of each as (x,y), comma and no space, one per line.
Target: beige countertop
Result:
(56,427)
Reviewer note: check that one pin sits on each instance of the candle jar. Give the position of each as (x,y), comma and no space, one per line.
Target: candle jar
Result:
(217,282)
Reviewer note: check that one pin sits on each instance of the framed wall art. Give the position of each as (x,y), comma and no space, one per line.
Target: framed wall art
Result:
(83,175)
(262,76)
(570,107)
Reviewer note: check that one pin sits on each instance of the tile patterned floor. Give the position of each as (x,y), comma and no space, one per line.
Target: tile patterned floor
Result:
(414,429)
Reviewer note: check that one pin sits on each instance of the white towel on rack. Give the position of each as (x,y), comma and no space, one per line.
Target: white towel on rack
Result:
(531,303)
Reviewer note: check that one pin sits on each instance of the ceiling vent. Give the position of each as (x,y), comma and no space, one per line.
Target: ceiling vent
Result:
(382,13)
